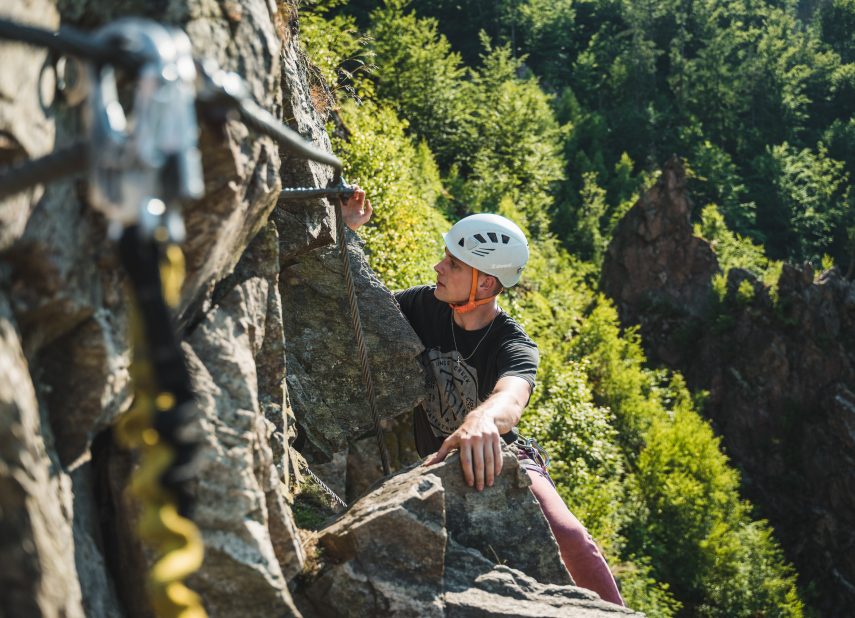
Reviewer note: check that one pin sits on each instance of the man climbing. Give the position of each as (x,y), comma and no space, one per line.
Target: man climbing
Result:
(481,370)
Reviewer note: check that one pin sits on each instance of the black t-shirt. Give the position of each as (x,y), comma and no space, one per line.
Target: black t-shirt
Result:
(456,386)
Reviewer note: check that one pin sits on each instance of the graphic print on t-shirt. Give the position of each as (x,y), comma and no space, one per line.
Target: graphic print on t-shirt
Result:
(452,390)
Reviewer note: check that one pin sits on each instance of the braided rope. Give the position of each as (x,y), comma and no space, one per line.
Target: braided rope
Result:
(325,488)
(357,326)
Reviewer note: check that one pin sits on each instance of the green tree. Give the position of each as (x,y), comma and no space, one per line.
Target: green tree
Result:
(809,204)
(837,21)
(682,505)
(590,241)
(403,239)
(423,80)
(516,141)
(733,250)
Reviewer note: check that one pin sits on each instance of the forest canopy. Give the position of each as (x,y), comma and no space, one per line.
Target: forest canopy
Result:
(756,96)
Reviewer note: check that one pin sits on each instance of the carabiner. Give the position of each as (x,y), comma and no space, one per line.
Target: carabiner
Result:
(142,167)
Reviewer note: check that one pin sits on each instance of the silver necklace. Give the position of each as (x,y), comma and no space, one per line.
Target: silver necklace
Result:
(479,343)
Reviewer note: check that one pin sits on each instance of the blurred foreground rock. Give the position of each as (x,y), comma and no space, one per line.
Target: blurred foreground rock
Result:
(779,365)
(67,521)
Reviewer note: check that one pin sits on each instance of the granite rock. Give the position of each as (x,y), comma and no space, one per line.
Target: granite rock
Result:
(418,543)
(27,127)
(38,576)
(323,357)
(474,587)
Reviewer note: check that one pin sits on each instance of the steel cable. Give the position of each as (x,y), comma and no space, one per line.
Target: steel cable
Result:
(357,326)
(72,42)
(258,118)
(325,487)
(65,161)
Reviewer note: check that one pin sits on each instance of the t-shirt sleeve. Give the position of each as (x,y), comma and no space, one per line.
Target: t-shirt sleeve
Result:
(519,357)
(408,300)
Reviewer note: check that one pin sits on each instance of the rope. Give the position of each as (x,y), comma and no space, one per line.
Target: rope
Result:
(357,326)
(325,488)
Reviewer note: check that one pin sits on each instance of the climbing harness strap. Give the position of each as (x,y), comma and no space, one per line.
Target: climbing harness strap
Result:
(472,302)
(156,426)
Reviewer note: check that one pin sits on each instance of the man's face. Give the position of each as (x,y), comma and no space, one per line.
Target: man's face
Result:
(453,280)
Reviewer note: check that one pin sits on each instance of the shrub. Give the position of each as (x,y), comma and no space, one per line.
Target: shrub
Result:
(403,239)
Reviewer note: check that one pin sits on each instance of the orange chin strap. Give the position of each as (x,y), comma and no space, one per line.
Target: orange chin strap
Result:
(472,302)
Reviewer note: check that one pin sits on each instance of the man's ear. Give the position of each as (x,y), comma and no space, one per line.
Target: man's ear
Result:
(489,283)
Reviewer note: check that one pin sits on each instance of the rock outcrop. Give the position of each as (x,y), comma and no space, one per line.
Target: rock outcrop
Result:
(779,365)
(423,543)
(657,272)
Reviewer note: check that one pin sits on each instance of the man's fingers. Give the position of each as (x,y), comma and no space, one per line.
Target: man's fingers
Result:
(447,445)
(368,209)
(497,454)
(466,461)
(440,456)
(478,462)
(489,464)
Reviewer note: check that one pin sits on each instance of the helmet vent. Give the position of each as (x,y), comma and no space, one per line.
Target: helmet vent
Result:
(479,238)
(460,242)
(482,251)
(505,239)
(492,236)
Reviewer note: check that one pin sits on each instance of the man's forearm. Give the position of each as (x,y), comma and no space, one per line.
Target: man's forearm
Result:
(503,408)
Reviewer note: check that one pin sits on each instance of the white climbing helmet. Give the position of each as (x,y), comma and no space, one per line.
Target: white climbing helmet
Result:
(492,244)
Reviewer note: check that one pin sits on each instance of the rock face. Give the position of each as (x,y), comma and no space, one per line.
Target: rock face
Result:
(422,543)
(363,458)
(37,572)
(66,514)
(655,268)
(24,99)
(251,543)
(779,366)
(324,373)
